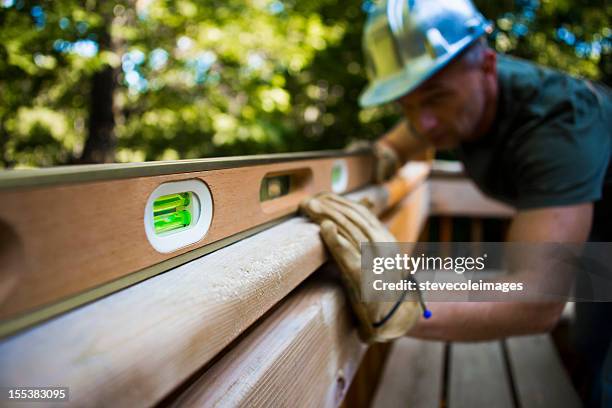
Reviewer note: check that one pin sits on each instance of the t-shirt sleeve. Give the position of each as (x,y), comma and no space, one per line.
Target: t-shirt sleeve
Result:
(559,165)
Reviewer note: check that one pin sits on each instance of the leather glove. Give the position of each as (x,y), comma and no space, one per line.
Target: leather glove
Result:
(344,225)
(387,162)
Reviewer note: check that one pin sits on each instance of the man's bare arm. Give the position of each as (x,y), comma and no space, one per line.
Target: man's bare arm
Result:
(464,321)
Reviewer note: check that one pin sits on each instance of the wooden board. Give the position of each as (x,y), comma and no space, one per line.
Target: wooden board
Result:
(303,355)
(365,382)
(447,168)
(413,377)
(478,377)
(62,240)
(539,376)
(459,197)
(410,177)
(135,346)
(406,220)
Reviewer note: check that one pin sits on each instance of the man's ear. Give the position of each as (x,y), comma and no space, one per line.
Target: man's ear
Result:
(489,64)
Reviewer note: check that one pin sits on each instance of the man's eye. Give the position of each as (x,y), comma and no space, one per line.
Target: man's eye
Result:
(432,99)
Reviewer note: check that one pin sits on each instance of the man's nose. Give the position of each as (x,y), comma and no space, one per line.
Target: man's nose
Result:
(426,121)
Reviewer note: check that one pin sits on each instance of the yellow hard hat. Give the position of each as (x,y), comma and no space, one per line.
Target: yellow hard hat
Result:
(407,41)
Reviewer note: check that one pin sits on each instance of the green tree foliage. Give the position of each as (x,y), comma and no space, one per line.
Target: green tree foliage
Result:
(135,80)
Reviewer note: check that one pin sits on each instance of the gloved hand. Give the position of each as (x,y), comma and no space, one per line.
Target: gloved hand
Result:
(344,225)
(387,162)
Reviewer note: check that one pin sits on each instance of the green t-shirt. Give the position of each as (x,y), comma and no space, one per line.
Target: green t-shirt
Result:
(551,141)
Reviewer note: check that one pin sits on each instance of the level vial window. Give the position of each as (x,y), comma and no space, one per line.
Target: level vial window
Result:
(178,214)
(339,176)
(274,187)
(172,212)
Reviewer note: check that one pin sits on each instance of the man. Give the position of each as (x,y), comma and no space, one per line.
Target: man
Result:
(532,137)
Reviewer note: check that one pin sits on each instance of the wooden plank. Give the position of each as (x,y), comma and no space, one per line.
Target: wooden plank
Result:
(362,389)
(424,237)
(476,230)
(414,375)
(406,221)
(459,197)
(398,187)
(539,377)
(105,221)
(446,229)
(447,168)
(135,346)
(478,377)
(407,180)
(305,355)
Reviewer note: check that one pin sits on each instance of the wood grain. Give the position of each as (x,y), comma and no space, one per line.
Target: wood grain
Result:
(365,382)
(414,375)
(303,355)
(478,377)
(539,376)
(407,219)
(74,237)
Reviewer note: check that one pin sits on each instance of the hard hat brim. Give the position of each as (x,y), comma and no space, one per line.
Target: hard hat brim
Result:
(390,89)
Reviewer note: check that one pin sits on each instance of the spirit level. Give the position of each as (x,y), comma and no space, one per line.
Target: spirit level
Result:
(82,232)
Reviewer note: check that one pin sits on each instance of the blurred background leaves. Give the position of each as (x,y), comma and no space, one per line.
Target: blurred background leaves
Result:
(101,81)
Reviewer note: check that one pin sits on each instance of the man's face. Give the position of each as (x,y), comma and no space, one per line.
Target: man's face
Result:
(449,107)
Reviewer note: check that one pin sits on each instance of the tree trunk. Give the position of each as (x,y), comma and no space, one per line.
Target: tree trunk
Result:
(101,139)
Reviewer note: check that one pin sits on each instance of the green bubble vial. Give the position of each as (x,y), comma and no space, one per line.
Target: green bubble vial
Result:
(172,212)
(336,174)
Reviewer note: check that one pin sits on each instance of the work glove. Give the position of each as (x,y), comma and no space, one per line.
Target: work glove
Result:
(386,160)
(344,225)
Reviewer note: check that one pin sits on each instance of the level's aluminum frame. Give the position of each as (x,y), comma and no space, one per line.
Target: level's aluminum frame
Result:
(27,178)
